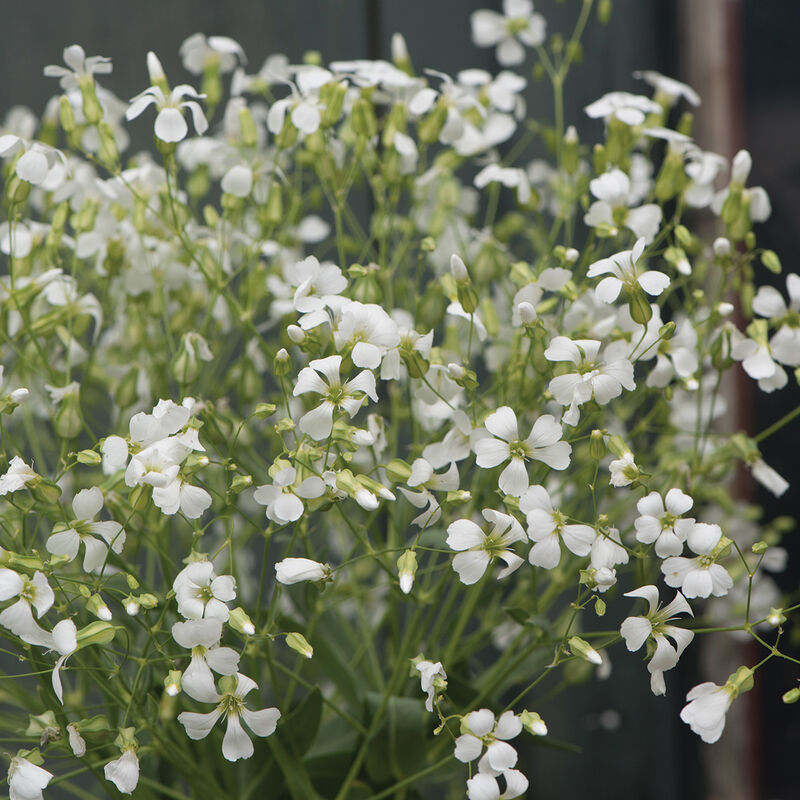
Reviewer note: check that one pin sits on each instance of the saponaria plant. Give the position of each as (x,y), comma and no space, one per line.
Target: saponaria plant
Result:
(357,486)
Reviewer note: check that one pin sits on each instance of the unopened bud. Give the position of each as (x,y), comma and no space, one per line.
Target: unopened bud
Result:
(172,682)
(239,621)
(407,569)
(97,606)
(721,247)
(299,644)
(792,696)
(584,650)
(533,723)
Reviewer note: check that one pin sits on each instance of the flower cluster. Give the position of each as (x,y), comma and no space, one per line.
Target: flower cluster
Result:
(280,395)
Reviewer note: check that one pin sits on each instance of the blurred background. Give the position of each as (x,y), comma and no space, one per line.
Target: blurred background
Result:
(742,57)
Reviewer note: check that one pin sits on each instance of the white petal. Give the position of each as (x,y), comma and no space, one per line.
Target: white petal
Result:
(491,452)
(170,125)
(471,565)
(635,631)
(463,534)
(198,726)
(468,748)
(503,424)
(236,743)
(262,722)
(514,478)
(653,282)
(318,423)
(480,722)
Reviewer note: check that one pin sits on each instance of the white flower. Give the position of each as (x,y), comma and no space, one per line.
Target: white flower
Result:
(296,570)
(668,87)
(593,378)
(79,67)
(479,549)
(548,528)
(429,672)
(282,497)
(705,712)
(123,772)
(369,331)
(16,476)
(18,618)
(700,576)
(623,470)
(543,444)
(76,742)
(86,505)
(512,177)
(198,51)
(755,199)
(236,744)
(170,125)
(318,423)
(499,758)
(628,108)
(518,21)
(613,193)
(26,780)
(661,521)
(202,637)
(624,272)
(636,631)
(200,593)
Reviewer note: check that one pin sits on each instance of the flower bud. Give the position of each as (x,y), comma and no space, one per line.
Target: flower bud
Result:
(282,364)
(299,644)
(400,57)
(296,570)
(597,444)
(296,334)
(407,569)
(792,696)
(95,633)
(97,606)
(584,650)
(241,622)
(132,606)
(533,723)
(740,169)
(172,682)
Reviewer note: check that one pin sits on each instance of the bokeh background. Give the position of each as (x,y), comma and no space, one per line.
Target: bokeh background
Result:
(742,56)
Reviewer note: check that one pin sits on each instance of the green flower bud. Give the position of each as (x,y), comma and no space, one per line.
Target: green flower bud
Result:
(332,96)
(299,644)
(584,650)
(66,116)
(89,457)
(362,118)
(792,696)
(429,128)
(769,258)
(597,445)
(407,569)
(740,681)
(241,622)
(533,723)
(172,682)
(95,633)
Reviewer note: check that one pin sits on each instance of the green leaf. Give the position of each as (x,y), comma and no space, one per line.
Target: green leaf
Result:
(300,727)
(399,747)
(333,655)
